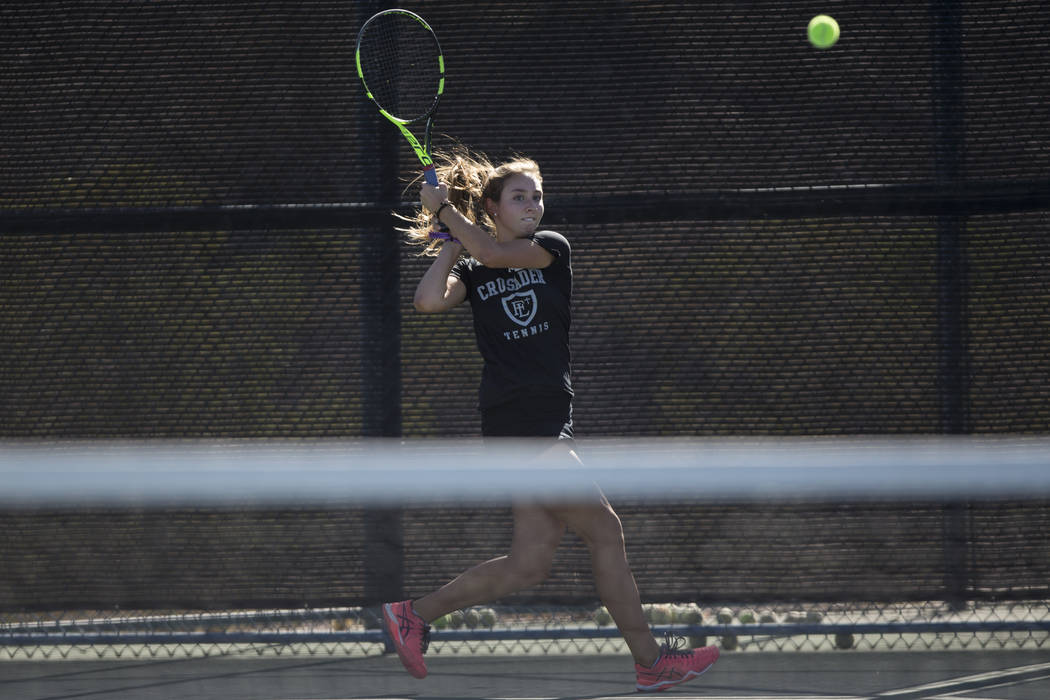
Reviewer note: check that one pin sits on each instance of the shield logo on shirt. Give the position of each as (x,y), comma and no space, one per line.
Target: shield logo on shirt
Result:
(521,307)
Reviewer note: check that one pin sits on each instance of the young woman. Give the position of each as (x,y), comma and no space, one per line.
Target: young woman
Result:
(518,280)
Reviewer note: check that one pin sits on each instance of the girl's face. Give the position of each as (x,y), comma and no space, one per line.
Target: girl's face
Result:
(520,207)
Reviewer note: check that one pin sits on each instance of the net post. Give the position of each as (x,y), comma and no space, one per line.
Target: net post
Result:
(381,377)
(956,538)
(952,370)
(949,124)
(381,300)
(381,370)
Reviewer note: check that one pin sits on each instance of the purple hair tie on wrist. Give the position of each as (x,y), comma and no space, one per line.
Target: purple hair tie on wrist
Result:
(442,236)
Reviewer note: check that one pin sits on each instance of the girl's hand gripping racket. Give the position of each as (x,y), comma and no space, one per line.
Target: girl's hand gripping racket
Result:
(399,61)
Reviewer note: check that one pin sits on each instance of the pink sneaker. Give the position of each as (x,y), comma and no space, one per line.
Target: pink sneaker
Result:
(674,666)
(411,636)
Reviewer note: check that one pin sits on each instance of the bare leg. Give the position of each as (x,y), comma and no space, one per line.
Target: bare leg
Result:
(599,527)
(537,534)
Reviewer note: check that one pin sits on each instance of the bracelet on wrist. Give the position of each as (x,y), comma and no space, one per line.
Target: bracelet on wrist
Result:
(437,214)
(443,236)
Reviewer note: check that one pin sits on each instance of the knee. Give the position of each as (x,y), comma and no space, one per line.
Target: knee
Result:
(605,530)
(533,568)
(532,573)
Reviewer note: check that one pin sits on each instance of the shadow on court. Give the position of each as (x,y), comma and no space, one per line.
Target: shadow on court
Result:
(1018,675)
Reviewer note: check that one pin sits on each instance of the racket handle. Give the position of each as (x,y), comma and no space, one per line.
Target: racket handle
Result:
(430,175)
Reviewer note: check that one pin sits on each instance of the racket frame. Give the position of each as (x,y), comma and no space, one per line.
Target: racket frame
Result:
(422,150)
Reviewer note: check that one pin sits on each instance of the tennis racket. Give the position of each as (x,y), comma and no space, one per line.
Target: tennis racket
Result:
(399,61)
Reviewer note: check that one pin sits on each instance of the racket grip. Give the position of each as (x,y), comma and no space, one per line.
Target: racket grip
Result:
(430,175)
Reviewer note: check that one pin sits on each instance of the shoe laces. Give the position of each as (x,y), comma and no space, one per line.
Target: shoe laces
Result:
(424,642)
(674,645)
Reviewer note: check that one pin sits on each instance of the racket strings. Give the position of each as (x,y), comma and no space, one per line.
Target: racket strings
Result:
(400,65)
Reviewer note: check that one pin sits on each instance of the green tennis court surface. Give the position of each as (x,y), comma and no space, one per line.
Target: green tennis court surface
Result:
(1016,675)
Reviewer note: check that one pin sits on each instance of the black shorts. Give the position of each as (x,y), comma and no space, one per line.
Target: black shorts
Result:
(545,415)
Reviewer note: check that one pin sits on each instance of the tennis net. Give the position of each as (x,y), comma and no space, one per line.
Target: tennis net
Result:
(773,544)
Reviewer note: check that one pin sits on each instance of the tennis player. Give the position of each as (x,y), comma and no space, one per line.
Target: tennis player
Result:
(518,280)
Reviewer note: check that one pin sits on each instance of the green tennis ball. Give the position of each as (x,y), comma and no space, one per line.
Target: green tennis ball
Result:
(823,31)
(661,615)
(488,617)
(843,640)
(602,617)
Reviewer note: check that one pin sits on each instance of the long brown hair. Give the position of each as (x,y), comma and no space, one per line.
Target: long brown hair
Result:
(472,179)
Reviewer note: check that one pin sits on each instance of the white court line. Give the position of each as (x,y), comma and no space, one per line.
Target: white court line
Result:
(1003,674)
(1007,684)
(676,696)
